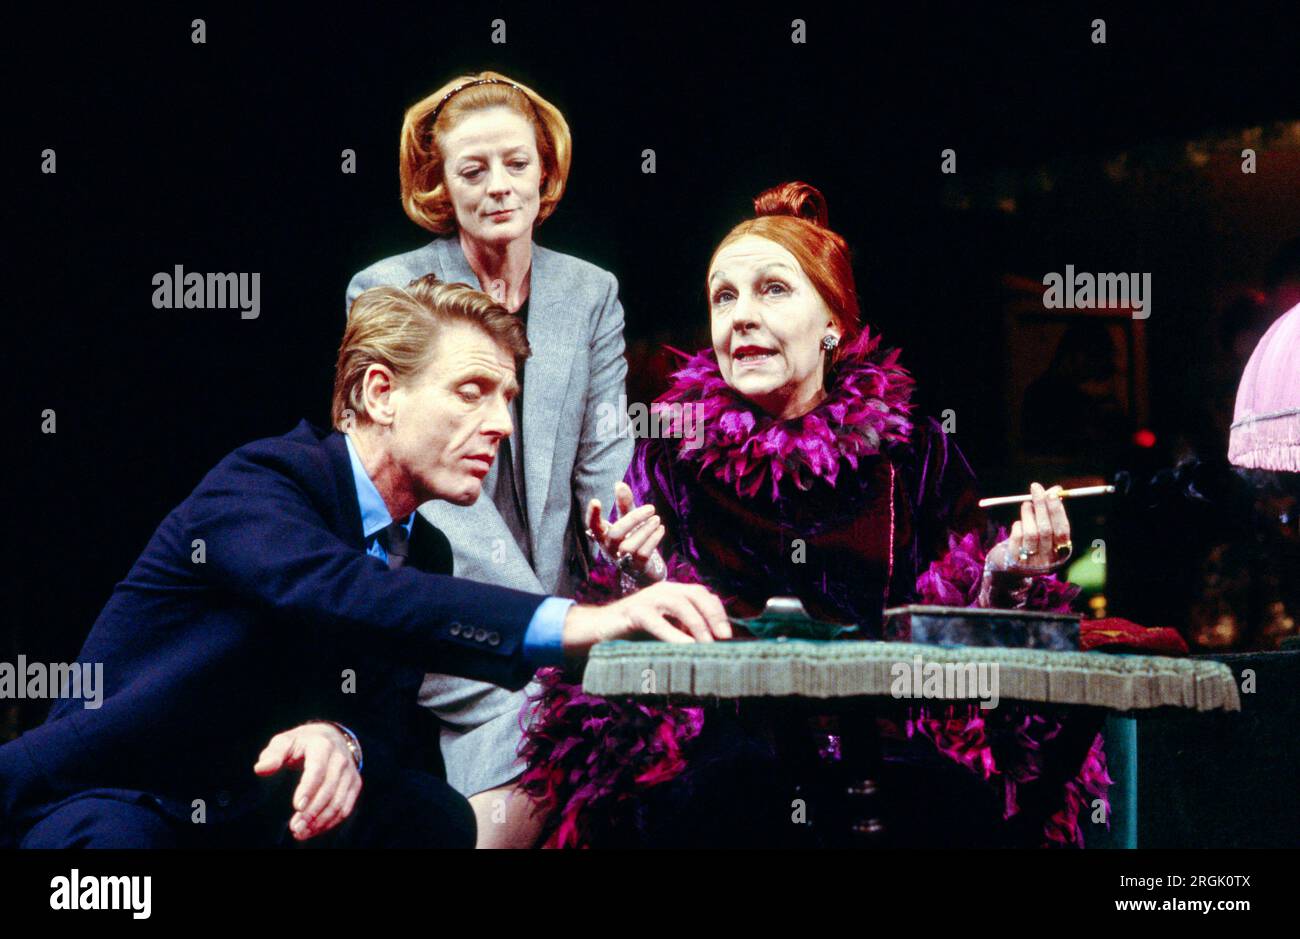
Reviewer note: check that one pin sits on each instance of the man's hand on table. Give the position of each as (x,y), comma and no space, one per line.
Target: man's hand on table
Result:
(330,782)
(668,612)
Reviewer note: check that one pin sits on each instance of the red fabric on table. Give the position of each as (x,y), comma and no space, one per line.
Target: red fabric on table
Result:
(1115,634)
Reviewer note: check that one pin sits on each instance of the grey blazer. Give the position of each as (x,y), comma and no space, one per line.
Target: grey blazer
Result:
(575,328)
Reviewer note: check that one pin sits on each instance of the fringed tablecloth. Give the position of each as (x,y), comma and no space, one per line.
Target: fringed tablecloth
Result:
(850,668)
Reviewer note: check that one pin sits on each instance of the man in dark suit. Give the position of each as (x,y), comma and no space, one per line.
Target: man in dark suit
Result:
(283,615)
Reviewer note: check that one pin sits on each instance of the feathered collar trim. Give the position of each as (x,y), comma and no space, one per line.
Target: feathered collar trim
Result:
(867,406)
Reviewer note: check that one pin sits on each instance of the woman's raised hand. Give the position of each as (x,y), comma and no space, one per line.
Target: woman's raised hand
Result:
(1040,541)
(631,541)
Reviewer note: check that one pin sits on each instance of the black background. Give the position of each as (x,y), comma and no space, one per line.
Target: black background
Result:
(226,157)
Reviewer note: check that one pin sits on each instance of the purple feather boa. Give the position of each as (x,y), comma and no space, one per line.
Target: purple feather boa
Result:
(955,580)
(592,756)
(966,737)
(1005,748)
(868,406)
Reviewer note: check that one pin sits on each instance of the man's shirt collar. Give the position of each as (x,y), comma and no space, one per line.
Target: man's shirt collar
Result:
(374,513)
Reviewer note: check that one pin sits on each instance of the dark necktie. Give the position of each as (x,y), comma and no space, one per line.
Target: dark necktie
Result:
(396,544)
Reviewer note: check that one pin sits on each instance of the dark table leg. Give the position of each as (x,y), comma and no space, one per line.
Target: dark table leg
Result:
(860,779)
(835,756)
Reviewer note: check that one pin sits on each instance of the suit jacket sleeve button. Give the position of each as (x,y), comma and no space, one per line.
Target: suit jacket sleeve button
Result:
(455,629)
(480,635)
(494,639)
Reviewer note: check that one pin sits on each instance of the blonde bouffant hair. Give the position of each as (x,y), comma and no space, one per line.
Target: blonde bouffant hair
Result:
(424,189)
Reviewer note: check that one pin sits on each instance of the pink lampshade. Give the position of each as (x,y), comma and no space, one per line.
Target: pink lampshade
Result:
(1266,422)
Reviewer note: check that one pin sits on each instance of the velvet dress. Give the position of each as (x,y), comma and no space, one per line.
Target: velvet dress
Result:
(852,508)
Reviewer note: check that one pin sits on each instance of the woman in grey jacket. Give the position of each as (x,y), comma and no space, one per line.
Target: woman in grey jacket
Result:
(484,160)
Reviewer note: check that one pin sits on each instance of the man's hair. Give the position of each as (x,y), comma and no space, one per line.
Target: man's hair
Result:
(398,327)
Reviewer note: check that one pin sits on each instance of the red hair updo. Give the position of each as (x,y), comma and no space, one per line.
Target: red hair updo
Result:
(793,215)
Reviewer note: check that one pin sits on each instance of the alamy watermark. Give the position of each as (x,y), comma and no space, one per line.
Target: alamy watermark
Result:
(195,291)
(675,419)
(58,680)
(79,891)
(947,681)
(1084,291)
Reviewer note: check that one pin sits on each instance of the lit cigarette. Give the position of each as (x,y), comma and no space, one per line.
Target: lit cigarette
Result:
(1063,493)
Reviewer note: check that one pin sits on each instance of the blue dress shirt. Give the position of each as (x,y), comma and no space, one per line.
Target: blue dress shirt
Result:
(543,640)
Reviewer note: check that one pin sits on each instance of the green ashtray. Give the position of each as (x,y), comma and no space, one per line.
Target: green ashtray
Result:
(785,617)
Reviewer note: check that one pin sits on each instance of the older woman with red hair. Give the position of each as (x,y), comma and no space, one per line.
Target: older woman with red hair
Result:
(484,160)
(813,479)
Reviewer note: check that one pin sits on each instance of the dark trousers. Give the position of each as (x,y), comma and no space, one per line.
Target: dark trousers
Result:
(408,810)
